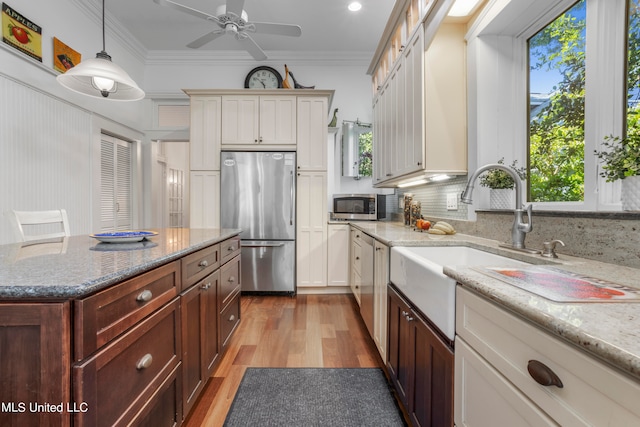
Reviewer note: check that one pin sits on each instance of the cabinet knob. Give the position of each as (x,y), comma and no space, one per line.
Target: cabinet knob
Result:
(205,286)
(144,296)
(203,263)
(231,279)
(357,258)
(543,374)
(144,362)
(255,140)
(232,318)
(231,249)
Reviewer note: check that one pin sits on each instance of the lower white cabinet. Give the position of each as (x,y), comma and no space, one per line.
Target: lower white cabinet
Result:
(204,210)
(311,230)
(380,281)
(355,274)
(338,255)
(502,362)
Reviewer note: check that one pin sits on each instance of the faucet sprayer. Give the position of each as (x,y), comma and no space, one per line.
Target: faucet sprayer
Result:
(520,228)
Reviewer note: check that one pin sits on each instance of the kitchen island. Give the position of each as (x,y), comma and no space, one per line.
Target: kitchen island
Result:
(594,346)
(96,333)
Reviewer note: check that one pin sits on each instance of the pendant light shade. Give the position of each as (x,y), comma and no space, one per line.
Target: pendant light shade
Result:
(101,78)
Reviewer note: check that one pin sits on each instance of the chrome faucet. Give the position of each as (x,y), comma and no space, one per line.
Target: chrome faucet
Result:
(520,228)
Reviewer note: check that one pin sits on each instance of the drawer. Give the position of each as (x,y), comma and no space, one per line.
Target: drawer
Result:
(105,315)
(199,264)
(229,319)
(118,381)
(229,281)
(592,392)
(229,248)
(164,409)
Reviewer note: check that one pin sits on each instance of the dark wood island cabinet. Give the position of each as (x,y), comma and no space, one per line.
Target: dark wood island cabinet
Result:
(103,335)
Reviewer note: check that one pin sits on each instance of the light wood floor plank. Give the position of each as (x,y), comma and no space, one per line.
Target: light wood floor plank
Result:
(281,331)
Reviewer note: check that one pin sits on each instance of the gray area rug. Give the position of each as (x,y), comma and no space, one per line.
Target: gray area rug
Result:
(314,397)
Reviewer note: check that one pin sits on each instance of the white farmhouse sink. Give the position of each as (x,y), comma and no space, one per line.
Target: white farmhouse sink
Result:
(417,272)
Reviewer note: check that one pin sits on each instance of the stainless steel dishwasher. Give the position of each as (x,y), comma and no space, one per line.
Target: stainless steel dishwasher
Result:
(366,287)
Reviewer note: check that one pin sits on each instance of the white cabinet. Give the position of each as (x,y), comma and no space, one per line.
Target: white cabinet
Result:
(311,229)
(205,199)
(420,110)
(205,133)
(380,281)
(266,120)
(338,255)
(499,356)
(312,133)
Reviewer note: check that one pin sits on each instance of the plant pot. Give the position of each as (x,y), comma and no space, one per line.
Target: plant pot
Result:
(631,193)
(502,198)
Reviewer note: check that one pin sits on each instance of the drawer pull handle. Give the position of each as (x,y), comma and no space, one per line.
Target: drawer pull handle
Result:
(203,263)
(232,279)
(231,249)
(144,362)
(144,296)
(232,318)
(542,374)
(206,286)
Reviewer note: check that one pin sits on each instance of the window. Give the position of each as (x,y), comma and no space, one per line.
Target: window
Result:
(556,108)
(116,184)
(548,83)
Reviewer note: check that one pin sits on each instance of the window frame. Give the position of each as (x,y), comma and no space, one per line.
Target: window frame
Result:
(498,57)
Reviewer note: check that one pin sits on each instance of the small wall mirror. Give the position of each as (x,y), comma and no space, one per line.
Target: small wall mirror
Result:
(357,148)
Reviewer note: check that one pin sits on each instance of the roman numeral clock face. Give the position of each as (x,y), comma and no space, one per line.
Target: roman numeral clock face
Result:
(263,78)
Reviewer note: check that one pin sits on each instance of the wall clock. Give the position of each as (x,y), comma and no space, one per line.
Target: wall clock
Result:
(263,78)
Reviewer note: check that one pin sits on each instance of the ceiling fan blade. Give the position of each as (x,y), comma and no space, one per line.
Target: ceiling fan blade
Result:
(277,29)
(235,7)
(205,39)
(186,9)
(252,47)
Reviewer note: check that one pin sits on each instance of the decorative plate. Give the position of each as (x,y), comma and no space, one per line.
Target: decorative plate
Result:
(132,246)
(123,236)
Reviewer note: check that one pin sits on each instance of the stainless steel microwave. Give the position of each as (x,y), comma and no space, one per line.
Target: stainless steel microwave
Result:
(368,207)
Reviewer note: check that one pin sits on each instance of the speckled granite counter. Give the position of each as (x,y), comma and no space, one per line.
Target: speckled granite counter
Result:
(80,265)
(607,330)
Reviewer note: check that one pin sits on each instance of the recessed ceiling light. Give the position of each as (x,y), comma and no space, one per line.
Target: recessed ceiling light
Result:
(355,6)
(463,7)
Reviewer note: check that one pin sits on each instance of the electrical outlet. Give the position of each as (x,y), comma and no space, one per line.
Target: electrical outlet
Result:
(452,201)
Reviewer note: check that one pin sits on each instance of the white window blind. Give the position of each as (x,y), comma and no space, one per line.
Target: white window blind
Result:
(115,195)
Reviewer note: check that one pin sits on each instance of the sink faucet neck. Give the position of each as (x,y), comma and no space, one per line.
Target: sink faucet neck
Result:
(520,228)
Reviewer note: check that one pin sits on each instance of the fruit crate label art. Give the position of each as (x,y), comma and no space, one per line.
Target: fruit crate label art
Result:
(21,33)
(64,58)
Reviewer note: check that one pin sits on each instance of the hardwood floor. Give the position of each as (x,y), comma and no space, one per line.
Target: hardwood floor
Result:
(282,331)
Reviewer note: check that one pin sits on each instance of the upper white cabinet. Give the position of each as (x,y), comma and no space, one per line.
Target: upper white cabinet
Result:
(312,133)
(267,120)
(419,96)
(205,133)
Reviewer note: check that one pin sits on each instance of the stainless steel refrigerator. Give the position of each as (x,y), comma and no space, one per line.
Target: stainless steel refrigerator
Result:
(258,195)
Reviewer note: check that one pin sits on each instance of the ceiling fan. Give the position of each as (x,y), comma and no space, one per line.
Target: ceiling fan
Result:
(232,19)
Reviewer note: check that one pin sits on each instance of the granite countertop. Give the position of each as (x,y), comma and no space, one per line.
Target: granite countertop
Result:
(608,330)
(77,266)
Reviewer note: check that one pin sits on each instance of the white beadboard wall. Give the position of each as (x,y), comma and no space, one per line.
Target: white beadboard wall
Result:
(44,156)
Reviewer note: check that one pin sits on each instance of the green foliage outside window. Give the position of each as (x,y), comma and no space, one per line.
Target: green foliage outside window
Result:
(556,130)
(366,154)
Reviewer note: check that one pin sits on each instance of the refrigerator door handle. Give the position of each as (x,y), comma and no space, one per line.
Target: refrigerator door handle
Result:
(291,197)
(262,245)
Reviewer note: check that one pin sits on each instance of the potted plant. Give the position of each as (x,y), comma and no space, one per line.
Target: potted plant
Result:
(501,185)
(621,160)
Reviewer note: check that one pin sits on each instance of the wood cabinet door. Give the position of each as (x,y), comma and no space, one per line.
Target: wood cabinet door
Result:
(277,120)
(193,374)
(432,380)
(35,363)
(312,133)
(311,233)
(210,286)
(240,119)
(205,199)
(399,344)
(205,133)
(338,255)
(380,281)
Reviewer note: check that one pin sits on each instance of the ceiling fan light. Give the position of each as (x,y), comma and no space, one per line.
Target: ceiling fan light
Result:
(92,76)
(354,6)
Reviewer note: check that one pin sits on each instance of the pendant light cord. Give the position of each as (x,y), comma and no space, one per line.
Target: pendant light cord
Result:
(103,33)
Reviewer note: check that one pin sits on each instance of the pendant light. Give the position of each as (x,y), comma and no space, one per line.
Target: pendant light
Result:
(99,77)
